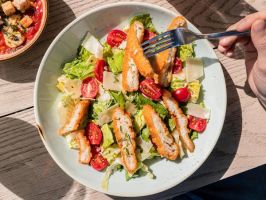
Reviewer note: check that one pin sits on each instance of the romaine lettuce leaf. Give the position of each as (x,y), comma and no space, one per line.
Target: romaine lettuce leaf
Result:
(194,88)
(171,124)
(100,106)
(119,98)
(139,121)
(194,135)
(78,69)
(146,20)
(186,51)
(108,138)
(159,108)
(145,134)
(115,61)
(111,153)
(107,51)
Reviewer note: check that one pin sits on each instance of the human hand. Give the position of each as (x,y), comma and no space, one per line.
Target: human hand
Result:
(255,51)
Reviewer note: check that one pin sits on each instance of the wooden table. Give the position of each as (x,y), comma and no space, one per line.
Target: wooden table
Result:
(28,172)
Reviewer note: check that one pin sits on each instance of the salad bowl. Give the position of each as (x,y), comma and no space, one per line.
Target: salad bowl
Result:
(99,22)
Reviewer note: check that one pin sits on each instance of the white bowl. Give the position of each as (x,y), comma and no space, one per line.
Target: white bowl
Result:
(99,22)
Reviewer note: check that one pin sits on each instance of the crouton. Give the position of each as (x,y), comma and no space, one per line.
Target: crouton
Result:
(8,8)
(22,5)
(26,21)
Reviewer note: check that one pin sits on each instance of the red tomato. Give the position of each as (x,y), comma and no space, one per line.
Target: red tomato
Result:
(95,149)
(94,134)
(89,87)
(182,94)
(177,66)
(148,35)
(98,70)
(98,162)
(197,124)
(116,37)
(150,89)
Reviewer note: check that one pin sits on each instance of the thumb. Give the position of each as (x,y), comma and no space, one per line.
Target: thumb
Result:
(258,36)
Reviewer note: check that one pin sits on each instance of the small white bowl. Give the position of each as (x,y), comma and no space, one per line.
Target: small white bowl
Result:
(99,22)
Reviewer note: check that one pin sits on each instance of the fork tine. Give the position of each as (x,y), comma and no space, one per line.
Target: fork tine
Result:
(150,54)
(156,38)
(158,44)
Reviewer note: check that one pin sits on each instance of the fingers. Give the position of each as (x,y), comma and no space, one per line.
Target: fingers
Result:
(246,23)
(226,45)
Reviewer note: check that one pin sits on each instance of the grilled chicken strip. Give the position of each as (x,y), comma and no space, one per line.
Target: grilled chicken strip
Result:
(163,62)
(84,147)
(180,120)
(125,137)
(130,73)
(134,39)
(77,116)
(160,135)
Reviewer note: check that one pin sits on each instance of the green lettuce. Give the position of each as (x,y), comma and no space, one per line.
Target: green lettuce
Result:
(194,88)
(119,98)
(111,153)
(107,51)
(115,61)
(176,83)
(100,106)
(78,69)
(159,108)
(142,170)
(171,124)
(186,51)
(83,54)
(194,135)
(139,121)
(108,138)
(146,20)
(145,134)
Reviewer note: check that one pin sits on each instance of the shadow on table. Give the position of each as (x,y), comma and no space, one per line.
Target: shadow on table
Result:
(26,169)
(22,69)
(223,153)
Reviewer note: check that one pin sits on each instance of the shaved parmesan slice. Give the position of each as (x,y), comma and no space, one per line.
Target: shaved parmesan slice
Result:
(70,86)
(197,111)
(194,69)
(111,81)
(93,46)
(181,76)
(106,116)
(103,95)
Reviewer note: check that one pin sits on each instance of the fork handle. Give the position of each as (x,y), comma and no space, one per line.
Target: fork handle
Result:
(226,33)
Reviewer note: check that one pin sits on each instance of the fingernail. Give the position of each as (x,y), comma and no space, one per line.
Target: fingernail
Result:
(229,54)
(259,26)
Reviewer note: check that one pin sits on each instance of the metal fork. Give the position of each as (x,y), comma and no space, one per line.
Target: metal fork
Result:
(181,36)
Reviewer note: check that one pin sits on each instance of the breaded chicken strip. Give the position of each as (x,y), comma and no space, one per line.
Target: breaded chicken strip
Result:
(84,148)
(180,120)
(130,73)
(77,116)
(160,135)
(134,38)
(125,137)
(163,62)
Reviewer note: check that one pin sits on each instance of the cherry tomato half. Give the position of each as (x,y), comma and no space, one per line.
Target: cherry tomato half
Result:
(95,149)
(98,70)
(89,87)
(94,133)
(148,35)
(116,37)
(177,65)
(197,124)
(98,162)
(182,94)
(150,89)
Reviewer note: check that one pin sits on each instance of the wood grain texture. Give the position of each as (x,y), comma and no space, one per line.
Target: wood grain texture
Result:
(28,172)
